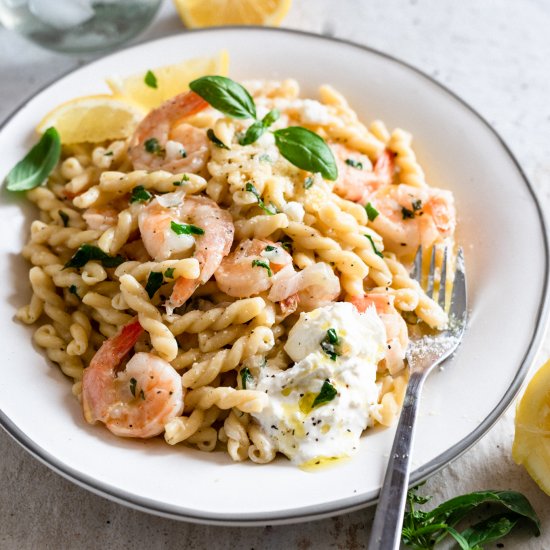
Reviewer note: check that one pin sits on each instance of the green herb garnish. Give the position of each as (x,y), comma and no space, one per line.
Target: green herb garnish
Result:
(184,178)
(376,251)
(169,273)
(271,209)
(270,248)
(225,95)
(88,252)
(74,290)
(265,265)
(329,344)
(215,139)
(406,213)
(372,213)
(185,229)
(133,383)
(150,79)
(328,393)
(306,150)
(417,205)
(259,127)
(424,530)
(154,282)
(246,377)
(64,218)
(287,245)
(354,164)
(140,194)
(37,164)
(153,146)
(308,182)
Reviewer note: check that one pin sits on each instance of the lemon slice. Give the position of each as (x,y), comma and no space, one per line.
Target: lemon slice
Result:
(198,13)
(169,80)
(93,118)
(532,439)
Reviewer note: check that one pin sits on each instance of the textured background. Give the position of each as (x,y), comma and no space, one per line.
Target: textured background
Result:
(496,56)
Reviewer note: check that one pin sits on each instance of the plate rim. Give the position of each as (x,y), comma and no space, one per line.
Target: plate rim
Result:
(348,504)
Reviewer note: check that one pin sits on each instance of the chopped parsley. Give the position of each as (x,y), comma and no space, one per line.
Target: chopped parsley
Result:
(265,265)
(271,209)
(185,229)
(140,194)
(133,383)
(270,248)
(153,146)
(376,251)
(108,154)
(154,282)
(215,139)
(407,214)
(330,343)
(74,290)
(354,164)
(287,245)
(150,79)
(308,182)
(417,205)
(372,213)
(246,377)
(184,178)
(64,218)
(88,252)
(328,393)
(169,273)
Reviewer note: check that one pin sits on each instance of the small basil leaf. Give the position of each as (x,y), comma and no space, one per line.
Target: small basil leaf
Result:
(265,265)
(246,377)
(306,150)
(215,139)
(328,393)
(490,529)
(253,133)
(375,250)
(185,229)
(225,95)
(88,252)
(271,117)
(154,282)
(140,194)
(150,79)
(372,213)
(37,164)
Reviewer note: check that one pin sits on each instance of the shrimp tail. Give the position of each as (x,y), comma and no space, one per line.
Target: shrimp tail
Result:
(182,291)
(115,348)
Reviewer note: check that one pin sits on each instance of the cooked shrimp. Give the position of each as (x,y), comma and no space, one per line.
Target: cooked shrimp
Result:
(411,216)
(172,226)
(397,336)
(136,401)
(100,218)
(357,178)
(162,142)
(313,287)
(252,268)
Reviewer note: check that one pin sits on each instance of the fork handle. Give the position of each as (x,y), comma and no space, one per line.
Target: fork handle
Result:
(388,521)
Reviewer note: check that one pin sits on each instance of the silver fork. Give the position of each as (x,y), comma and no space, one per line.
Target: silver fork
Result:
(422,356)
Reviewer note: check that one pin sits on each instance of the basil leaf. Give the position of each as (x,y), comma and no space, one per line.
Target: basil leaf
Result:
(246,377)
(354,164)
(88,252)
(271,117)
(268,209)
(265,265)
(150,79)
(153,146)
(225,95)
(328,393)
(253,133)
(140,194)
(490,529)
(37,164)
(306,150)
(308,182)
(332,336)
(154,282)
(372,213)
(215,139)
(184,178)
(329,344)
(185,229)
(169,273)
(376,251)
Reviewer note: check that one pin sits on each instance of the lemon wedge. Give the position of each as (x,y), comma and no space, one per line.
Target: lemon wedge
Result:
(93,118)
(532,438)
(150,88)
(198,13)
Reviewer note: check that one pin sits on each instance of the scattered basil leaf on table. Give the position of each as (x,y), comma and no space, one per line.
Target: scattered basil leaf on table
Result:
(306,150)
(154,282)
(225,95)
(37,164)
(88,252)
(150,79)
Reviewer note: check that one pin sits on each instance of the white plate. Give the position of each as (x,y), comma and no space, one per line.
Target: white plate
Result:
(500,227)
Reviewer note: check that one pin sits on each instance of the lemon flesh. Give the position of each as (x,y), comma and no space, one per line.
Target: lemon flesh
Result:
(198,13)
(170,80)
(531,446)
(93,119)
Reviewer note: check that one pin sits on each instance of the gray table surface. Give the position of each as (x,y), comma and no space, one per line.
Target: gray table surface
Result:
(495,55)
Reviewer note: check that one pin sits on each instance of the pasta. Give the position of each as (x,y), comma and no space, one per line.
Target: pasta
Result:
(196,255)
